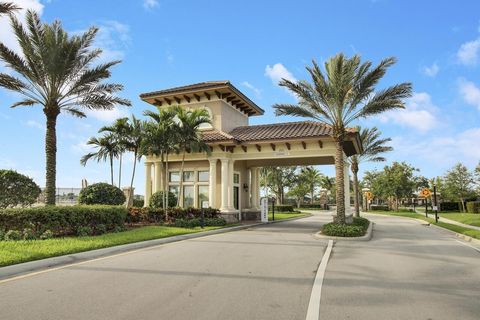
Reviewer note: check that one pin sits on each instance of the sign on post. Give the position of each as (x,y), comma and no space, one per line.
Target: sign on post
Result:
(264,209)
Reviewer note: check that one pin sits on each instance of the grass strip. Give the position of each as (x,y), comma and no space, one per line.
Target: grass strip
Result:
(285,215)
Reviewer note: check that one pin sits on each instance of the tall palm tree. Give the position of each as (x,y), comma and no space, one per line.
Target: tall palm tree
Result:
(372,145)
(345,93)
(160,139)
(7,7)
(133,140)
(189,123)
(107,148)
(55,71)
(119,131)
(311,177)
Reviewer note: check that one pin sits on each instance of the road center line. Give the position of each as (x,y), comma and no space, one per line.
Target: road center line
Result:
(313,312)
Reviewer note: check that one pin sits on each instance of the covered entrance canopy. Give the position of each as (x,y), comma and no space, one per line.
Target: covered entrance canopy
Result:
(231,172)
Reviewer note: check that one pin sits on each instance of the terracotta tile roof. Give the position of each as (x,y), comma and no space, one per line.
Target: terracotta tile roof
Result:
(275,131)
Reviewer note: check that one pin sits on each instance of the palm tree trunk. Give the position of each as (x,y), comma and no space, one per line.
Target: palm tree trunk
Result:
(356,192)
(165,182)
(130,193)
(120,172)
(340,186)
(111,169)
(51,161)
(180,192)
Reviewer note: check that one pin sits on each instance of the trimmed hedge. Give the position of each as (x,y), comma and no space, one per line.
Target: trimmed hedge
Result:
(473,207)
(63,220)
(153,215)
(315,206)
(282,208)
(450,206)
(17,189)
(379,207)
(138,203)
(156,200)
(101,193)
(197,222)
(356,229)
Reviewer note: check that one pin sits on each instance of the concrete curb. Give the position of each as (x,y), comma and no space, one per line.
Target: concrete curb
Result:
(428,224)
(53,262)
(368,235)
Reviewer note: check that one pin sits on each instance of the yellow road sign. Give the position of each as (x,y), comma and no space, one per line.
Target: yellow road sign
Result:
(369,195)
(425,193)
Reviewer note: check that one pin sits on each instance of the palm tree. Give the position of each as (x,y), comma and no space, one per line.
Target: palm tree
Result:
(372,146)
(55,72)
(189,123)
(160,139)
(107,148)
(133,140)
(312,177)
(345,94)
(7,7)
(119,131)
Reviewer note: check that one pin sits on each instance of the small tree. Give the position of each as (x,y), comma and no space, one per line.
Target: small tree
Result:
(459,182)
(17,189)
(101,193)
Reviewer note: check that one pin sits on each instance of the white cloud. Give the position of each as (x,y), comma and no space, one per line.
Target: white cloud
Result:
(35,124)
(252,87)
(107,115)
(431,71)
(469,92)
(468,52)
(278,72)
(418,113)
(6,34)
(150,4)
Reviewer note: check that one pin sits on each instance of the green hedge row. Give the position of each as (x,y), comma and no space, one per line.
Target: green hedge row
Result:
(64,220)
(473,207)
(282,208)
(315,206)
(356,229)
(154,215)
(450,206)
(379,207)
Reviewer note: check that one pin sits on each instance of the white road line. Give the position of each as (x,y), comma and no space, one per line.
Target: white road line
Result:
(468,245)
(313,312)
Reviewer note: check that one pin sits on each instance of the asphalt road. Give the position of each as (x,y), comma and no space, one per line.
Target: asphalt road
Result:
(407,271)
(260,273)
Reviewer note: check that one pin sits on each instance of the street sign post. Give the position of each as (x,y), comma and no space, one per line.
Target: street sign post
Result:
(426,193)
(435,205)
(264,209)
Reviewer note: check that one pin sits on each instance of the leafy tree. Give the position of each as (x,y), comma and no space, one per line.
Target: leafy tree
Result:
(277,179)
(17,189)
(56,71)
(101,193)
(459,183)
(7,7)
(477,177)
(160,139)
(372,147)
(189,139)
(345,93)
(107,148)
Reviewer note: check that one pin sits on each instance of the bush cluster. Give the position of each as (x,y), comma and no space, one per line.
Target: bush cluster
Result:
(282,208)
(315,206)
(17,189)
(155,215)
(196,222)
(450,206)
(379,207)
(356,229)
(137,203)
(44,222)
(473,207)
(156,200)
(101,193)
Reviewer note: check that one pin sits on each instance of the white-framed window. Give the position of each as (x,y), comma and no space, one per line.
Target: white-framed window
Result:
(195,186)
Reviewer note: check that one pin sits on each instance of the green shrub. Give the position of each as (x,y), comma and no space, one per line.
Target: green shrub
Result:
(84,231)
(473,207)
(315,206)
(62,220)
(197,222)
(46,235)
(138,203)
(2,235)
(100,228)
(13,235)
(282,208)
(362,222)
(17,189)
(215,222)
(342,230)
(450,206)
(101,193)
(156,200)
(157,216)
(28,234)
(379,207)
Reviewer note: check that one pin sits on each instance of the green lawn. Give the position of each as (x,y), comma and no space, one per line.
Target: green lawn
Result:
(458,229)
(467,218)
(285,215)
(12,252)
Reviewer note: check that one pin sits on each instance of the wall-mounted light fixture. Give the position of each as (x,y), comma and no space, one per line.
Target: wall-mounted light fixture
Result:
(245,187)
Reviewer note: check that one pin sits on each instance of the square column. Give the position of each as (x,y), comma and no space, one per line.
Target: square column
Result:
(255,188)
(225,185)
(346,174)
(230,186)
(157,176)
(213,183)
(148,183)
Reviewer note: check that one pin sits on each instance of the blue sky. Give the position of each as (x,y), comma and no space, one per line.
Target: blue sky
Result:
(165,43)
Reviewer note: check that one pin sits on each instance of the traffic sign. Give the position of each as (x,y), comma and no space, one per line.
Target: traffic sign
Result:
(425,193)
